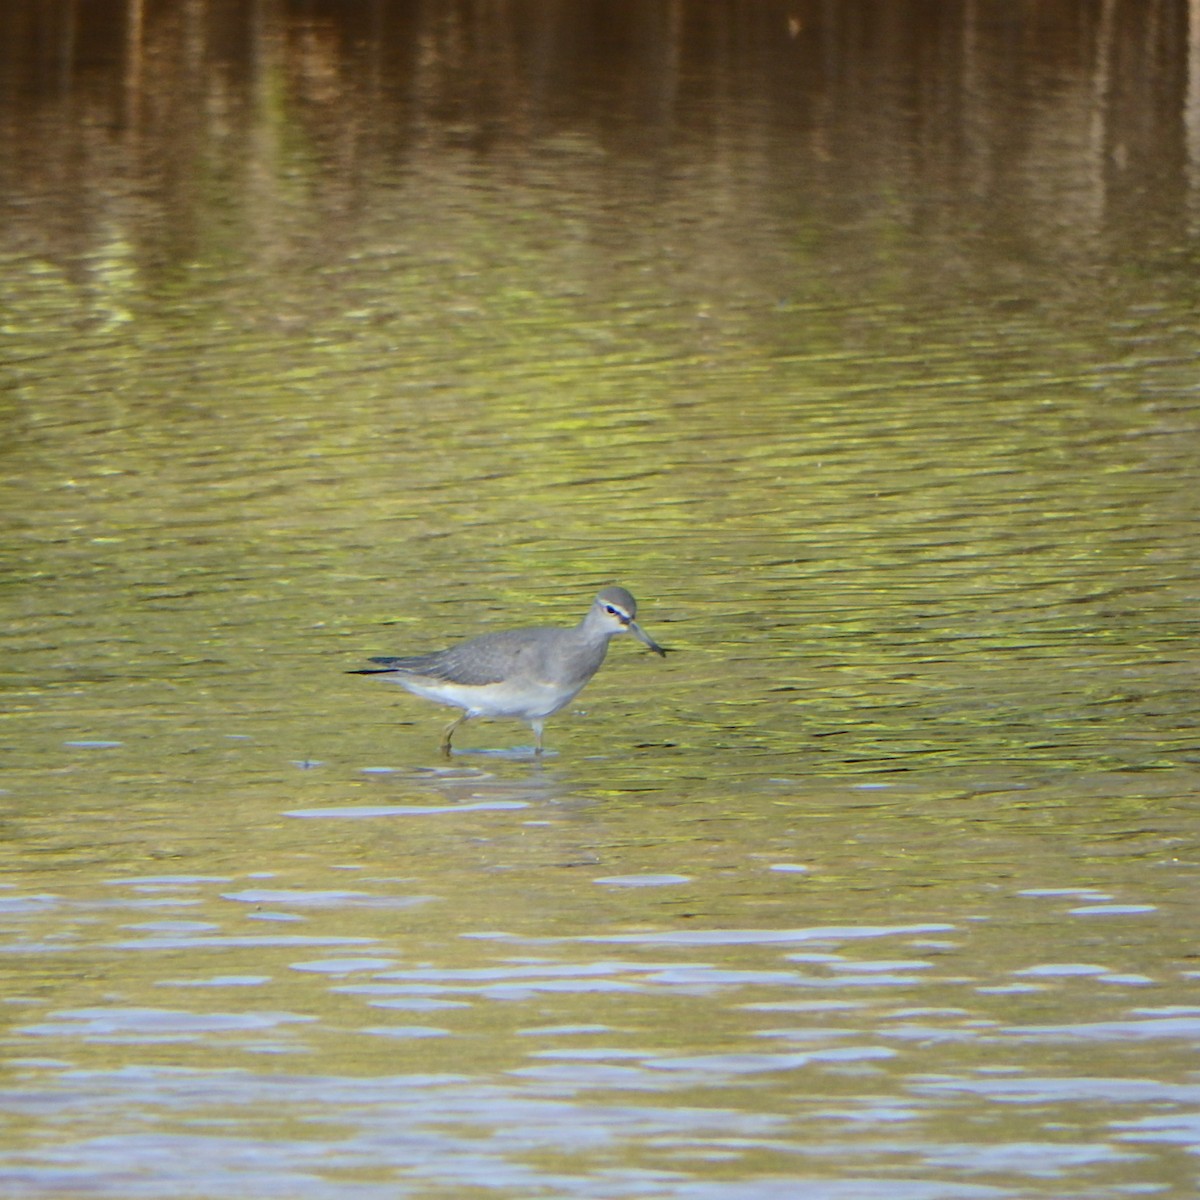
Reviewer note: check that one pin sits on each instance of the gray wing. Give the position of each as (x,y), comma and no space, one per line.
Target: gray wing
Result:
(490,658)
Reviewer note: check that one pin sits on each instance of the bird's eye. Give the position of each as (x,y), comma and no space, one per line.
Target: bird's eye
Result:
(608,608)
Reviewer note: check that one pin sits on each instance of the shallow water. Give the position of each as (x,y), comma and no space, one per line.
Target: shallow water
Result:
(528,980)
(859,343)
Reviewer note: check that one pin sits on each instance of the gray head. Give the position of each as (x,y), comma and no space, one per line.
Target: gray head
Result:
(613,611)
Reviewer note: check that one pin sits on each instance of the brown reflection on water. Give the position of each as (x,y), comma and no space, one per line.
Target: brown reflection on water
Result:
(258,134)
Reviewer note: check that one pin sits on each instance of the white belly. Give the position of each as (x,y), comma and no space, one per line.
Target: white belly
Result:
(530,701)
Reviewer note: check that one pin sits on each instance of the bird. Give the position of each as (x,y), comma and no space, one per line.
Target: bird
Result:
(528,673)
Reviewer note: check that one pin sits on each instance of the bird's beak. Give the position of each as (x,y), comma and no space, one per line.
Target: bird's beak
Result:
(643,637)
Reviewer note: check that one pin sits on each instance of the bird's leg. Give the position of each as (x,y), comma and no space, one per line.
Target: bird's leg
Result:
(448,732)
(537,736)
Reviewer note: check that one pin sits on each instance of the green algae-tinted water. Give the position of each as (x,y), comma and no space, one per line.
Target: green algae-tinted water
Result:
(859,344)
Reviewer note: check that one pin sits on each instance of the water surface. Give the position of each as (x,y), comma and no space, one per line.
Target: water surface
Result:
(859,342)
